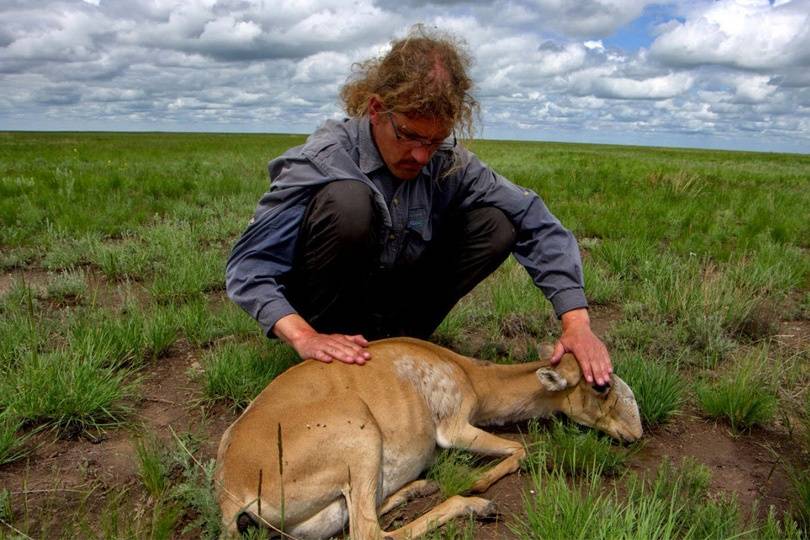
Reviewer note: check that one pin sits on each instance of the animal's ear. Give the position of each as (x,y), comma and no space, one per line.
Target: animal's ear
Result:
(551,380)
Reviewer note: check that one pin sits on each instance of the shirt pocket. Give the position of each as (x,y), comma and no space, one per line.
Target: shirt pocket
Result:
(418,233)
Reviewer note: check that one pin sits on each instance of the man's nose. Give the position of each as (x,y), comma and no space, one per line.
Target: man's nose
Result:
(421,155)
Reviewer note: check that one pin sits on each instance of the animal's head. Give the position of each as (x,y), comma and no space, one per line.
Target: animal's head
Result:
(611,408)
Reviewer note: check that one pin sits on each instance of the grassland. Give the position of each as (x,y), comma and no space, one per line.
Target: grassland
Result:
(112,253)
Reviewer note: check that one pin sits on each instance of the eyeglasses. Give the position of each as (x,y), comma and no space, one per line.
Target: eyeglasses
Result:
(413,141)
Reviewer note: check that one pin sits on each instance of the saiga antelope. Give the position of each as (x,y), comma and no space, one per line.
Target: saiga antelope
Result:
(354,439)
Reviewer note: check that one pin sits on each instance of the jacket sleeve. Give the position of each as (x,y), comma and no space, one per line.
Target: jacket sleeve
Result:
(547,250)
(265,252)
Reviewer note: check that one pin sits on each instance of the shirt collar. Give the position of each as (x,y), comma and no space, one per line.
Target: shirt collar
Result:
(370,159)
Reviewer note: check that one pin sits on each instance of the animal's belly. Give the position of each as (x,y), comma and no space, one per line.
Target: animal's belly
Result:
(405,456)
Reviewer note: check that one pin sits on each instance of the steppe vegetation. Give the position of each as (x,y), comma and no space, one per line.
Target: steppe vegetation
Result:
(121,360)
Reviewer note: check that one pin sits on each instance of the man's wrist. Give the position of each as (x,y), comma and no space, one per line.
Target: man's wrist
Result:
(292,329)
(575,317)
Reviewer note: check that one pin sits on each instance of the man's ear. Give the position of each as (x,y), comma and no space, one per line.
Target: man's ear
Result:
(375,108)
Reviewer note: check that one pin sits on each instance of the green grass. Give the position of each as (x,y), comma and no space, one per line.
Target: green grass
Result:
(800,480)
(153,467)
(744,396)
(675,503)
(237,372)
(455,471)
(12,444)
(573,449)
(698,254)
(69,285)
(71,392)
(657,386)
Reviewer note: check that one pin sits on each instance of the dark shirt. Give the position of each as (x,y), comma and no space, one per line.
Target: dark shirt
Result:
(344,150)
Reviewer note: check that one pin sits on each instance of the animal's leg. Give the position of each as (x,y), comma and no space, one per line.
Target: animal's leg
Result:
(361,497)
(417,488)
(451,508)
(481,442)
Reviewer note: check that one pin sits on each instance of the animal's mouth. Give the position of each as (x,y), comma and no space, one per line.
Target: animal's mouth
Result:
(631,436)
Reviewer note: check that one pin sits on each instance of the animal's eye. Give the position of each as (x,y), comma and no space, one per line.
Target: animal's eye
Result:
(601,388)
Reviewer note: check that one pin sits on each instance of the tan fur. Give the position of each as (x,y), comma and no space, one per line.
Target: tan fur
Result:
(355,438)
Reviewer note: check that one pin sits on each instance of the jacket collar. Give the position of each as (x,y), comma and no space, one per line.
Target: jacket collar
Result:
(370,159)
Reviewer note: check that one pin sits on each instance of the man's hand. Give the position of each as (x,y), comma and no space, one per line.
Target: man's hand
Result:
(308,343)
(578,338)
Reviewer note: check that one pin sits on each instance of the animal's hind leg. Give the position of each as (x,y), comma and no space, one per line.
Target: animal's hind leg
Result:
(451,508)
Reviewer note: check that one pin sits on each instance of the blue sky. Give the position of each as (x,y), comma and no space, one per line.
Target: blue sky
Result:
(715,74)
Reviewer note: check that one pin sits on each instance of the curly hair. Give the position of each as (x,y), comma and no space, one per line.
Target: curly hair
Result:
(424,74)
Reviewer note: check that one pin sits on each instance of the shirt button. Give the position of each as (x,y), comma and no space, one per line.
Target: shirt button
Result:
(391,236)
(396,201)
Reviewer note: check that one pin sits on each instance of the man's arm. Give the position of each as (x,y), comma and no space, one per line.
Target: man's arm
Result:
(265,253)
(550,254)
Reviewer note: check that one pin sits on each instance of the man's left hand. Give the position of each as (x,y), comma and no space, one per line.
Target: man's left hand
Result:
(578,339)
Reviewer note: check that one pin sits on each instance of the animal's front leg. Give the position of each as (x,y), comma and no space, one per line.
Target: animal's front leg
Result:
(417,488)
(479,441)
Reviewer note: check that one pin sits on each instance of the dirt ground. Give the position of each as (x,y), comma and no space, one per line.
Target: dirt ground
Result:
(59,472)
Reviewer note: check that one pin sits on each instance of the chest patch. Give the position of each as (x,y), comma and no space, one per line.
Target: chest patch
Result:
(436,383)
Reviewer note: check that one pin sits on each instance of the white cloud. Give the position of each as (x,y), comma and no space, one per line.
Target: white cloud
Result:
(663,87)
(749,34)
(721,69)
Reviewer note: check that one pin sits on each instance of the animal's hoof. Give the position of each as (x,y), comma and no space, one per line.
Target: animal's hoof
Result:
(483,508)
(490,512)
(245,522)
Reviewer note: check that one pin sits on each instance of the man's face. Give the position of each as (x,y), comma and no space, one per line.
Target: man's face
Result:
(406,143)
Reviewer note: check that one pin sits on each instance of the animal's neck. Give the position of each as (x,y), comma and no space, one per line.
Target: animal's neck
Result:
(506,393)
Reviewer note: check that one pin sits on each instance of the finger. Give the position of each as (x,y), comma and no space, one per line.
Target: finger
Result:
(605,366)
(587,370)
(559,351)
(349,347)
(358,344)
(357,349)
(322,356)
(346,351)
(359,339)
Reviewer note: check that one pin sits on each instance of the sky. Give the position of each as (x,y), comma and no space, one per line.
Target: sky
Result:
(694,73)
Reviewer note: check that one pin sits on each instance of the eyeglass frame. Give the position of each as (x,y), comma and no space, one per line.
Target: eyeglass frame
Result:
(416,142)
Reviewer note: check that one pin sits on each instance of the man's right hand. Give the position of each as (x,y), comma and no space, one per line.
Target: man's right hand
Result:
(308,343)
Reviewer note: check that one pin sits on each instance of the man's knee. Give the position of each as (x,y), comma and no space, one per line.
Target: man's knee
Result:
(491,229)
(346,209)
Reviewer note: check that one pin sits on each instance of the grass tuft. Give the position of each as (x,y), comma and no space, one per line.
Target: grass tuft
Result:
(657,386)
(237,372)
(153,468)
(573,449)
(70,392)
(68,285)
(455,471)
(744,396)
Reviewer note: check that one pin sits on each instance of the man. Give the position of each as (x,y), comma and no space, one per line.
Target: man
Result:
(380,223)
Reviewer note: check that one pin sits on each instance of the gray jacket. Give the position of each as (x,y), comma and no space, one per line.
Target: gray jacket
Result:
(344,150)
